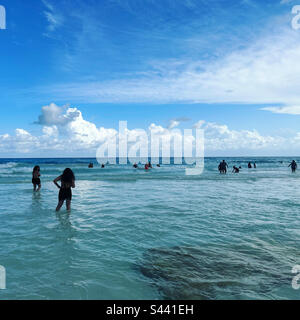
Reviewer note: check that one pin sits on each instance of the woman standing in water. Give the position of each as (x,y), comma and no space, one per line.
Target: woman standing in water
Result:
(293,165)
(65,193)
(36,181)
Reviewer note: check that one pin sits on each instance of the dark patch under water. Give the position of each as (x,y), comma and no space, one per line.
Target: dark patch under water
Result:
(214,272)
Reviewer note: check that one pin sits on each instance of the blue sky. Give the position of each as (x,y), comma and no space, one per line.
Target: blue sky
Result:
(152,61)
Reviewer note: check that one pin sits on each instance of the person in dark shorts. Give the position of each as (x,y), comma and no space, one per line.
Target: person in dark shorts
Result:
(294,166)
(36,181)
(67,180)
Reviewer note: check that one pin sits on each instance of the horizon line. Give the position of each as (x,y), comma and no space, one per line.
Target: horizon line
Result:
(282,156)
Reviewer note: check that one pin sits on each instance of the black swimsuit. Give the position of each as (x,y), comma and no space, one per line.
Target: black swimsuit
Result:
(36,181)
(65,194)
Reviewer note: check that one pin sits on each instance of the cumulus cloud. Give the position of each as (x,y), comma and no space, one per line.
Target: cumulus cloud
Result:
(220,137)
(65,132)
(54,115)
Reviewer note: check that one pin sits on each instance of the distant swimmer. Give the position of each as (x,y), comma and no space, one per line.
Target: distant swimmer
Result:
(102,166)
(67,180)
(158,165)
(223,167)
(249,165)
(254,165)
(135,166)
(36,181)
(91,165)
(293,165)
(235,169)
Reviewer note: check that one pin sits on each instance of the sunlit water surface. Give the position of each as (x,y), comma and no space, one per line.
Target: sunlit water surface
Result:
(160,234)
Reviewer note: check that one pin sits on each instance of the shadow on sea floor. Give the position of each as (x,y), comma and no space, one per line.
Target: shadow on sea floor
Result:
(215,272)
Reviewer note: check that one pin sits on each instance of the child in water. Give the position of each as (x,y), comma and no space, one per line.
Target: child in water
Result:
(36,181)
(67,180)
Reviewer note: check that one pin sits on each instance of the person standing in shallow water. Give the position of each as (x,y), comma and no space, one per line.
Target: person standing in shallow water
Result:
(223,167)
(293,166)
(67,180)
(36,181)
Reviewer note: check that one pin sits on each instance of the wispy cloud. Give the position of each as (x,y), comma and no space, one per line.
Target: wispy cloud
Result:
(286,1)
(54,18)
(266,72)
(293,110)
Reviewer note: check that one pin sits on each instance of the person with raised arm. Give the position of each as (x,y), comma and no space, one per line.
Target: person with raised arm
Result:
(67,180)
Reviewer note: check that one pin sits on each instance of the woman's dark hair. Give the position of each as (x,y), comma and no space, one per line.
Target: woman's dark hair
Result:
(36,168)
(68,176)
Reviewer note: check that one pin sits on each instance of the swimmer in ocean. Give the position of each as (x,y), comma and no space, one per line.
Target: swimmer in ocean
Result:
(67,180)
(293,166)
(135,166)
(36,181)
(235,169)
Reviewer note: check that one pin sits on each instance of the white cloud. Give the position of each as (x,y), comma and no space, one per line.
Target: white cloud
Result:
(68,123)
(265,72)
(173,124)
(54,115)
(221,138)
(65,132)
(294,110)
(54,18)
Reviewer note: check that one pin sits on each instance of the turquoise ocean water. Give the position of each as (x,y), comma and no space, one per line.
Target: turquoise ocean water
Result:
(160,234)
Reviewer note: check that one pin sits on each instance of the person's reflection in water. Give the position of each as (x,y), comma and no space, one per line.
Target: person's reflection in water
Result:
(36,205)
(64,219)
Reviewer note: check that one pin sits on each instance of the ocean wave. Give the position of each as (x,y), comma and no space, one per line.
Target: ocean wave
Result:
(8,165)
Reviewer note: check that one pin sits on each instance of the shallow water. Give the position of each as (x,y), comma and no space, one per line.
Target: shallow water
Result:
(151,235)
